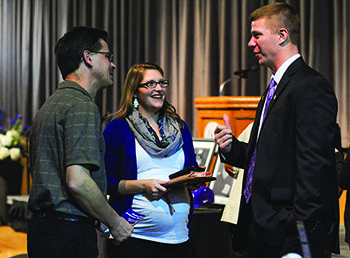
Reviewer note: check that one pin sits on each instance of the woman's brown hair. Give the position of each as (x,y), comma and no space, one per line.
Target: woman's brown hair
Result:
(131,84)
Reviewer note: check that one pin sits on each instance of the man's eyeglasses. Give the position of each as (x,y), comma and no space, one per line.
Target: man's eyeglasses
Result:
(152,84)
(108,55)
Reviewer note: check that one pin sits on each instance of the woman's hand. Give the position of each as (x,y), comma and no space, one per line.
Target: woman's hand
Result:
(153,188)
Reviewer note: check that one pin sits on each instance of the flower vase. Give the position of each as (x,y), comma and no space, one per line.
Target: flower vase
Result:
(12,173)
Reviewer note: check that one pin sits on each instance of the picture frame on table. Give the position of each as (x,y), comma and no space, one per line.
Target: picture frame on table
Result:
(223,184)
(205,150)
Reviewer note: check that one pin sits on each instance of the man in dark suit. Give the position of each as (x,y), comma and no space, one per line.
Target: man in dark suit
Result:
(289,161)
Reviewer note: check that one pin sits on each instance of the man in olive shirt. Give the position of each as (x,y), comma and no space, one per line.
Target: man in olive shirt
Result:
(67,154)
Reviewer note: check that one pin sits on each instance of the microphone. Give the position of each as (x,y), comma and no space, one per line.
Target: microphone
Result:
(241,74)
(244,72)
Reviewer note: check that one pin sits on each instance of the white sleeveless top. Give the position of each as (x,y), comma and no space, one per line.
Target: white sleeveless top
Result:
(159,225)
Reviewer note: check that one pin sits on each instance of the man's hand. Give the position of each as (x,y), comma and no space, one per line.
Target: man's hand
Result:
(91,199)
(223,135)
(122,232)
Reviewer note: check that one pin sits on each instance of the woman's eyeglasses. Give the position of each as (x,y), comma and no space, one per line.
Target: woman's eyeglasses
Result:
(152,84)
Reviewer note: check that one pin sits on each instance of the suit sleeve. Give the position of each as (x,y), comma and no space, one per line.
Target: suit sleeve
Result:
(237,156)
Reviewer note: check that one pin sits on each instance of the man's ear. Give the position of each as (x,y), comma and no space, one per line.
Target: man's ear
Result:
(87,58)
(283,36)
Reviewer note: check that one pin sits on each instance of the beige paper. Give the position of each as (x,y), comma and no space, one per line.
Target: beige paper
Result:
(231,210)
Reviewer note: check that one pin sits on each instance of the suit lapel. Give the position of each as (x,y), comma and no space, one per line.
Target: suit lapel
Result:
(255,129)
(280,88)
(286,76)
(283,84)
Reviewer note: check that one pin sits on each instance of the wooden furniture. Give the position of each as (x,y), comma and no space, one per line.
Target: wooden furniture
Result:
(12,243)
(240,110)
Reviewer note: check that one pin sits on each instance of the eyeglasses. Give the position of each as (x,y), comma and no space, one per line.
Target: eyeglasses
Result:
(153,84)
(108,55)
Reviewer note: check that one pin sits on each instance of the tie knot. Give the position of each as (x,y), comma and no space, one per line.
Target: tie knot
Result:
(272,83)
(271,89)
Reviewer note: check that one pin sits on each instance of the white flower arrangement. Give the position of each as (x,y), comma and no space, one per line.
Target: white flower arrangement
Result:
(11,141)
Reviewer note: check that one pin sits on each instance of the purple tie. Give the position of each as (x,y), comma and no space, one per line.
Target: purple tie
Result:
(248,185)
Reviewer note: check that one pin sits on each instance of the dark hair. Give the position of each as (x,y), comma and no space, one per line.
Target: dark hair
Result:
(286,18)
(131,84)
(69,49)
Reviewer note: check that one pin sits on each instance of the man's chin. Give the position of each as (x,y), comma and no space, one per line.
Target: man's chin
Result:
(109,85)
(263,62)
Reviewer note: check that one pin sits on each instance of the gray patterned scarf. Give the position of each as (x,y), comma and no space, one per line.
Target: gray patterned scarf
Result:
(145,138)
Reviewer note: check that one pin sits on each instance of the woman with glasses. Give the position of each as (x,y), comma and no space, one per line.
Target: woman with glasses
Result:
(146,141)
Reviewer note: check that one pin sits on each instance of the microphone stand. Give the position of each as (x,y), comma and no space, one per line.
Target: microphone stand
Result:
(241,74)
(222,86)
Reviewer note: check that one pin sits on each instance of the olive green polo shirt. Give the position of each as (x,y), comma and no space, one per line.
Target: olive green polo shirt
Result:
(66,131)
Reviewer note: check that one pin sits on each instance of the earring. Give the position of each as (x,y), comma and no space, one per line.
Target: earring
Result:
(136,103)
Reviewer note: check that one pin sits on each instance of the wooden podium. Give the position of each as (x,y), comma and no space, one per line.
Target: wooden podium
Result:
(240,110)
